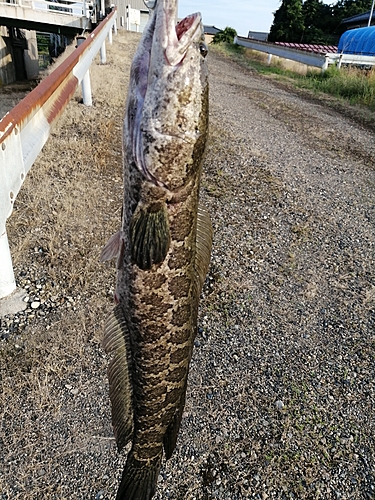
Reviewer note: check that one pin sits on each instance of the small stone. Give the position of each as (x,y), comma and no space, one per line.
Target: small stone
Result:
(99,495)
(35,305)
(279,405)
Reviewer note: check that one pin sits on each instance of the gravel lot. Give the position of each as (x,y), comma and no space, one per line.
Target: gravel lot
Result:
(280,401)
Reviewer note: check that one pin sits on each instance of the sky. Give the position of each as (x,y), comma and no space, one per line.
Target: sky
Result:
(242,15)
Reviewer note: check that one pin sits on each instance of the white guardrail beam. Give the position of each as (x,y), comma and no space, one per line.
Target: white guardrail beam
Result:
(26,128)
(321,61)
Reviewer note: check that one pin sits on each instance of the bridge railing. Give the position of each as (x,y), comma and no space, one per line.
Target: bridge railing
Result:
(26,128)
(75,8)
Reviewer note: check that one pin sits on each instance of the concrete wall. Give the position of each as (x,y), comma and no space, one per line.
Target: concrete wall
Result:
(8,72)
(31,56)
(287,64)
(7,69)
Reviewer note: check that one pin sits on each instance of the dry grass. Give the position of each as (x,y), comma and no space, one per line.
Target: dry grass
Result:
(65,211)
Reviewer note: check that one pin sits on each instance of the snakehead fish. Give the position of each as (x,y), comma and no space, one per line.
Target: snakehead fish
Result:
(164,246)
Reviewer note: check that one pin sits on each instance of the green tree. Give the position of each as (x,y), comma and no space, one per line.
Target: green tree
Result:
(313,21)
(288,22)
(317,19)
(227,35)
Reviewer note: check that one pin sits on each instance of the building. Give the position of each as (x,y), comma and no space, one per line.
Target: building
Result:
(210,32)
(262,36)
(131,14)
(357,21)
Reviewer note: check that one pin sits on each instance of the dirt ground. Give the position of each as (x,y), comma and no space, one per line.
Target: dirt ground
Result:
(280,401)
(10,95)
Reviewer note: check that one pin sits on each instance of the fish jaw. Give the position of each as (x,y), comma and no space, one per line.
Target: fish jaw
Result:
(163,109)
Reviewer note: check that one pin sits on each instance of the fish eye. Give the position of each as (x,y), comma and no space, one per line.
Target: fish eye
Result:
(150,4)
(203,49)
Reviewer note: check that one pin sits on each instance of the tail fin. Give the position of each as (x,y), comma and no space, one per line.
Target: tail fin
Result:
(139,479)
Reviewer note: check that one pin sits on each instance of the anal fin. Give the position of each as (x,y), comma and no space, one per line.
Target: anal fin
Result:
(116,342)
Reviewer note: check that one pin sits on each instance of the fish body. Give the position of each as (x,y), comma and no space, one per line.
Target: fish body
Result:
(164,246)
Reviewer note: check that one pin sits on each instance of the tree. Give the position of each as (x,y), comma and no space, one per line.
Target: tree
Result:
(317,19)
(288,22)
(313,21)
(227,35)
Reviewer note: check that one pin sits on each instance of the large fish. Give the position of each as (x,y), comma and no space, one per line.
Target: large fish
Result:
(164,246)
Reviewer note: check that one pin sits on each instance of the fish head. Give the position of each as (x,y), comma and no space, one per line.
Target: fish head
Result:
(171,121)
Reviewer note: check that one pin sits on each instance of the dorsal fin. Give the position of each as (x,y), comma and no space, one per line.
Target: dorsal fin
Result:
(203,246)
(116,343)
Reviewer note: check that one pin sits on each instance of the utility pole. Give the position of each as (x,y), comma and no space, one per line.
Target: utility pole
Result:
(371,12)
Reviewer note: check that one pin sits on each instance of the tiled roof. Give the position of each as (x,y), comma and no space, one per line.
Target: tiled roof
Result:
(211,30)
(309,47)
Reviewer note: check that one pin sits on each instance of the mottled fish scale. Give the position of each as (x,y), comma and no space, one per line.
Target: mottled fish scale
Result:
(163,247)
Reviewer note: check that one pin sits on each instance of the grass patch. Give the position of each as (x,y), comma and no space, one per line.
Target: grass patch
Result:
(355,85)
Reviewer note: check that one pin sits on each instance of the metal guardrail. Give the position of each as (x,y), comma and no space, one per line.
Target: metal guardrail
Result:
(26,128)
(321,61)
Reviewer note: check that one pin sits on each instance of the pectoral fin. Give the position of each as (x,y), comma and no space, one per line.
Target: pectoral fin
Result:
(113,248)
(116,342)
(149,235)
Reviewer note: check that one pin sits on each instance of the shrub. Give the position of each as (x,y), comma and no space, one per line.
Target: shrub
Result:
(227,35)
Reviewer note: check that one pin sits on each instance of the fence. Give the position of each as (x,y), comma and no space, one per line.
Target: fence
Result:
(321,61)
(26,128)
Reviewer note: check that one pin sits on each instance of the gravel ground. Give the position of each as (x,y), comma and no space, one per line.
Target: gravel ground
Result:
(280,401)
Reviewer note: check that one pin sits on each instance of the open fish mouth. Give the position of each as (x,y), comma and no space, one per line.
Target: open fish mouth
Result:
(180,38)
